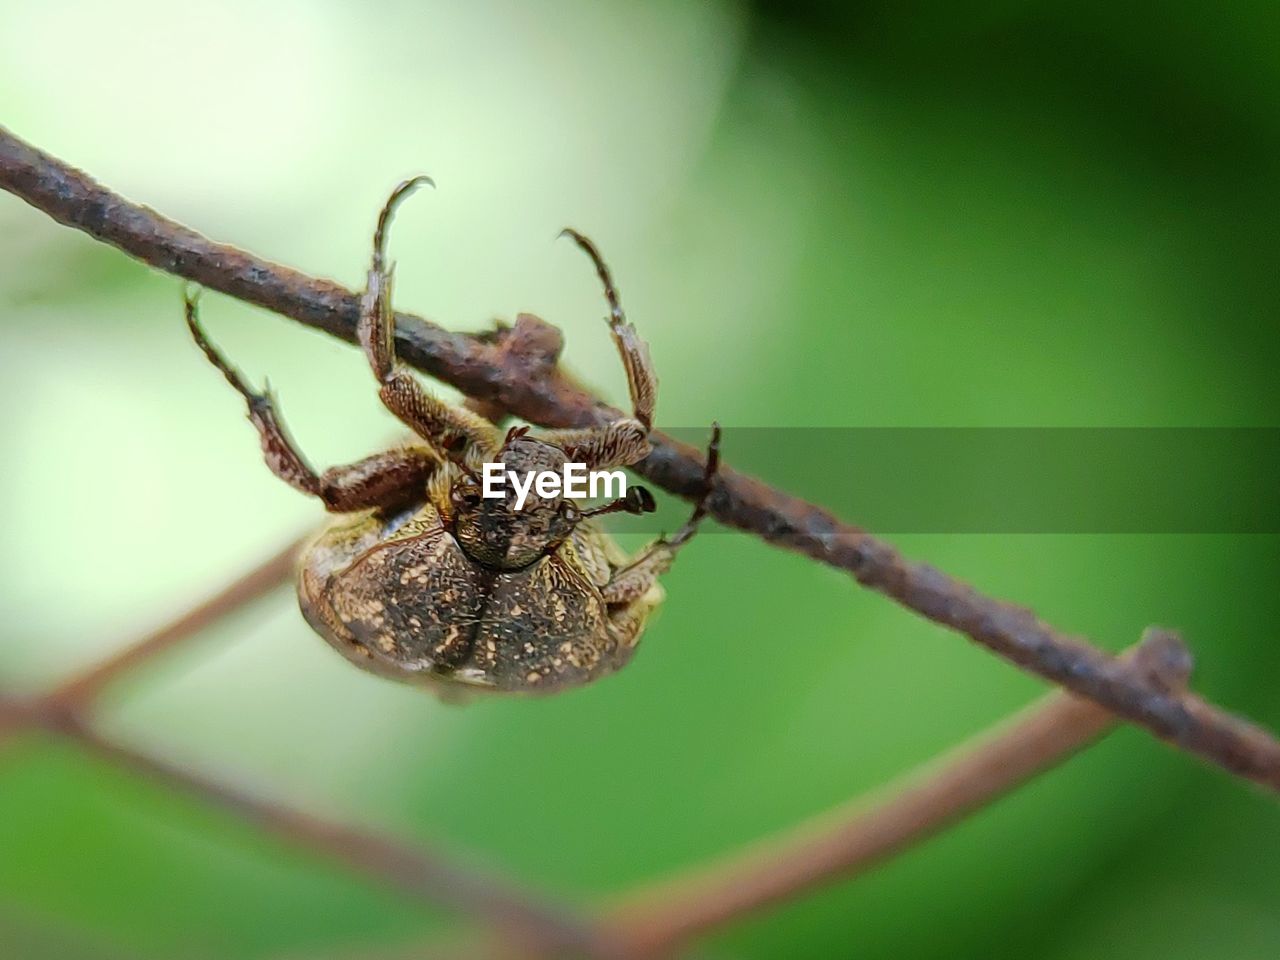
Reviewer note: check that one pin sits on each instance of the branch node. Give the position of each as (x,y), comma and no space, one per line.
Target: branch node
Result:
(1164,660)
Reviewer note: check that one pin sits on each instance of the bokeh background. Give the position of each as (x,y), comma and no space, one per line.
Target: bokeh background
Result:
(820,214)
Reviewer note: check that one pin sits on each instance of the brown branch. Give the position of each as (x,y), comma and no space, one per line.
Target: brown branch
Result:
(849,840)
(519,916)
(422,873)
(78,691)
(497,377)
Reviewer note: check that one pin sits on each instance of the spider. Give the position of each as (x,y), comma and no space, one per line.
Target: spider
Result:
(420,577)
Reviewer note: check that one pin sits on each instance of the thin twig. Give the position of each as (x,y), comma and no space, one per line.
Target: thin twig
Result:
(422,873)
(480,367)
(849,840)
(521,917)
(78,691)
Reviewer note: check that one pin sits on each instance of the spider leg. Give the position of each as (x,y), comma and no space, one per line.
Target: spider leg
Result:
(631,582)
(641,380)
(449,430)
(617,444)
(627,622)
(384,479)
(624,441)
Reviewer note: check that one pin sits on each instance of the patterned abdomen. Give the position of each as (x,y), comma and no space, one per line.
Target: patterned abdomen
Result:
(544,628)
(416,601)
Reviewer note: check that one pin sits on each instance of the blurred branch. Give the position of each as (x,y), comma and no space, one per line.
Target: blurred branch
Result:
(490,370)
(415,870)
(426,874)
(847,841)
(660,918)
(80,690)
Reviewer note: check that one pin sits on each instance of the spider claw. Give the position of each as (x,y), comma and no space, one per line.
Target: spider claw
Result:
(402,190)
(229,372)
(616,316)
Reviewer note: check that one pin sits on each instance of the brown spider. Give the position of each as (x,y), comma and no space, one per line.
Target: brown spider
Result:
(423,579)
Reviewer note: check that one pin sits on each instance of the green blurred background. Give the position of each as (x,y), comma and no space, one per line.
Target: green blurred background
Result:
(819,214)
